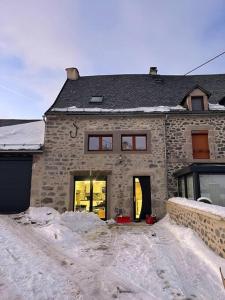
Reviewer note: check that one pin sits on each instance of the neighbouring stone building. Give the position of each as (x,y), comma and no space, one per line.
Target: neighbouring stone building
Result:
(20,142)
(125,143)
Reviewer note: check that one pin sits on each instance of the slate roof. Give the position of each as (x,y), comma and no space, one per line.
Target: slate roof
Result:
(130,91)
(11,122)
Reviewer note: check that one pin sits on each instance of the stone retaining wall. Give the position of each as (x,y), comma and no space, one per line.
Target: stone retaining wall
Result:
(210,227)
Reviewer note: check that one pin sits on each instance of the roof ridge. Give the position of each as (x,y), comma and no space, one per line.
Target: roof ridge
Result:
(152,76)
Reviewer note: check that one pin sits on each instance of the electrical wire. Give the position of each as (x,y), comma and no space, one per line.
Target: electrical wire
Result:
(13,91)
(205,63)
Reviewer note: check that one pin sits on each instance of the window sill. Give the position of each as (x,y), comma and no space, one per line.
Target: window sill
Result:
(117,152)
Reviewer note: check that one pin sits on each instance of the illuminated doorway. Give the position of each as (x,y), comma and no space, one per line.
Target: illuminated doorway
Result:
(142,197)
(90,195)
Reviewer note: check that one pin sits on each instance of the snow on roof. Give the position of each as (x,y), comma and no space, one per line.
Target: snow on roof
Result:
(150,109)
(28,136)
(209,208)
(135,109)
(216,107)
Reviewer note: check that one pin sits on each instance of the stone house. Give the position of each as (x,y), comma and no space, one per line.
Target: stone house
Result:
(113,143)
(125,143)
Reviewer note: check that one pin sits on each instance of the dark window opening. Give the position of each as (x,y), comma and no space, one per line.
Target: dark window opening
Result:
(134,142)
(99,143)
(197,103)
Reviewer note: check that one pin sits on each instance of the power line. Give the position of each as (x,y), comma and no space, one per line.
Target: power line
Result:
(205,63)
(13,91)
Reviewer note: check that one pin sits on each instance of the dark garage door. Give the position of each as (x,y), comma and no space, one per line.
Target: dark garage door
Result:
(15,183)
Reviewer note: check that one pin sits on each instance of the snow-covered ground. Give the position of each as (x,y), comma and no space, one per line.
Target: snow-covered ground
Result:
(45,255)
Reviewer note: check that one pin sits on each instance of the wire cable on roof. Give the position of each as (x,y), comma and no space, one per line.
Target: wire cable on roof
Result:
(208,61)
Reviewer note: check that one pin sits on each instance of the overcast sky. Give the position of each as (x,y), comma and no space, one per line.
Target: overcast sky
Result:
(39,39)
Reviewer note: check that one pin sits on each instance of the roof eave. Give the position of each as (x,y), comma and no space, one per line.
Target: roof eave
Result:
(186,112)
(21,151)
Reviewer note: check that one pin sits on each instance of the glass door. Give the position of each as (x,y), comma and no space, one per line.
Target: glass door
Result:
(137,198)
(142,197)
(82,194)
(99,198)
(90,195)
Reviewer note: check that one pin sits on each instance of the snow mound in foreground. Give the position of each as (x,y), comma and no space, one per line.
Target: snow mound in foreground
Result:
(38,215)
(81,221)
(42,214)
(75,221)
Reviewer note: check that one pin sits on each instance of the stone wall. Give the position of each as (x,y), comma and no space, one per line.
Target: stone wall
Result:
(179,142)
(210,227)
(65,157)
(36,180)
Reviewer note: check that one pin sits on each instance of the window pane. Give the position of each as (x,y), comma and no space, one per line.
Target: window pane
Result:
(106,143)
(93,143)
(190,188)
(82,195)
(212,186)
(127,143)
(140,142)
(138,198)
(197,103)
(182,187)
(99,198)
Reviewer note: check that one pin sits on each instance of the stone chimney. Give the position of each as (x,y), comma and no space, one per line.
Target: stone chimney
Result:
(153,71)
(72,73)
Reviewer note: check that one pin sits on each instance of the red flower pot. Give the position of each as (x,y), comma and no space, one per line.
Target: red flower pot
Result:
(150,219)
(123,219)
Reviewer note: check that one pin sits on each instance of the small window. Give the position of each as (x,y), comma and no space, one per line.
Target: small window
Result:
(99,143)
(200,145)
(96,99)
(197,103)
(134,142)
